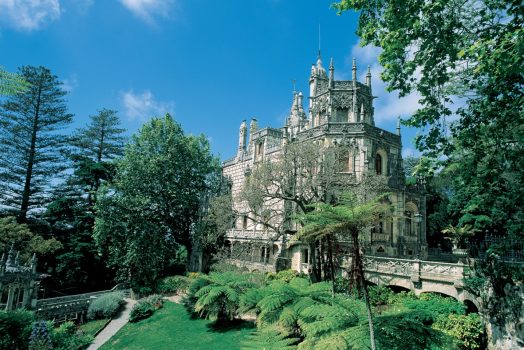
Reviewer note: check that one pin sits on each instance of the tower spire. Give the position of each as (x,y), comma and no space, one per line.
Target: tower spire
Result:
(331,74)
(398,126)
(354,70)
(368,78)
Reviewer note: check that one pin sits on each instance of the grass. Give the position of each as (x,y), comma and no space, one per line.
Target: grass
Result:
(173,328)
(91,327)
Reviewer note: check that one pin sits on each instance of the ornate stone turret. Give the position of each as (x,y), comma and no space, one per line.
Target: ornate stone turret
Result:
(241,139)
(354,111)
(398,126)
(297,116)
(253,127)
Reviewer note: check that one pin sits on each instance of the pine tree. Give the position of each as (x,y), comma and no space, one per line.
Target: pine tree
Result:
(95,147)
(30,144)
(71,213)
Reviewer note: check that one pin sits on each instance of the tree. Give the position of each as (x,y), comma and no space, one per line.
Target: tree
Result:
(285,186)
(353,214)
(96,146)
(24,241)
(71,213)
(465,60)
(30,141)
(151,205)
(11,83)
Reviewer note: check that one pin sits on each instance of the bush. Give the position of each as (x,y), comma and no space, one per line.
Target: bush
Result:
(40,339)
(15,328)
(381,295)
(222,266)
(106,306)
(284,275)
(67,337)
(466,330)
(146,307)
(173,285)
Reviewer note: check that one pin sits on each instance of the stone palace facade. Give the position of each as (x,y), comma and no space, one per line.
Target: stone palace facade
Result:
(338,111)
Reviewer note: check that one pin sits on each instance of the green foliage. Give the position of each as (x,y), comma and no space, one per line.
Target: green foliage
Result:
(218,297)
(106,305)
(284,275)
(40,338)
(15,328)
(68,337)
(270,338)
(468,51)
(153,201)
(11,83)
(465,329)
(380,295)
(146,307)
(25,241)
(173,285)
(30,142)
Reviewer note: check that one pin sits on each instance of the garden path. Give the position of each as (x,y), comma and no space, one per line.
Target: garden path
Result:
(113,327)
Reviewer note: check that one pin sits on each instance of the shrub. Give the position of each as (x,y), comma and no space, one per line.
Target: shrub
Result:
(380,295)
(67,337)
(15,328)
(141,311)
(106,306)
(40,339)
(222,266)
(146,307)
(173,284)
(284,275)
(466,330)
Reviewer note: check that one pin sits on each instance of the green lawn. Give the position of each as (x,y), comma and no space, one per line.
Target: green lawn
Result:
(92,327)
(171,328)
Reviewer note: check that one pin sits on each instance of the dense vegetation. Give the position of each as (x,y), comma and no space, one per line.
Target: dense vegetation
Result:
(290,312)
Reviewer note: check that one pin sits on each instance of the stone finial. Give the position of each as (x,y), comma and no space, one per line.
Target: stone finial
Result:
(354,70)
(368,78)
(17,258)
(362,112)
(331,74)
(398,126)
(11,256)
(242,137)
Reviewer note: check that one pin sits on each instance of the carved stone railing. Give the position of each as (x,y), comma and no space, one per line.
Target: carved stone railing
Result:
(56,308)
(250,234)
(415,269)
(380,237)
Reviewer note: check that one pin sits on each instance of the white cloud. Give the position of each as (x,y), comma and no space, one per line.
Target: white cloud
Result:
(70,83)
(388,106)
(28,14)
(147,10)
(144,106)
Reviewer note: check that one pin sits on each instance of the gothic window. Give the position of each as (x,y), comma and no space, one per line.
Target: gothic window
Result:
(244,222)
(341,115)
(258,150)
(409,220)
(378,164)
(343,162)
(305,256)
(264,254)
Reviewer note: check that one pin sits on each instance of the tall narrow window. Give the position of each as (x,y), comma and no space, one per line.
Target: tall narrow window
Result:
(378,164)
(343,162)
(244,222)
(409,229)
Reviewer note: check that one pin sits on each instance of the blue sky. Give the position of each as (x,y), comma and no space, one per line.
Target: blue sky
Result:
(209,63)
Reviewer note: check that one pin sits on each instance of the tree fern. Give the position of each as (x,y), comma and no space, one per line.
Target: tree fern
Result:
(270,338)
(219,294)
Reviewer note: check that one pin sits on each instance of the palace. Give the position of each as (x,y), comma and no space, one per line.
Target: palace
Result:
(339,112)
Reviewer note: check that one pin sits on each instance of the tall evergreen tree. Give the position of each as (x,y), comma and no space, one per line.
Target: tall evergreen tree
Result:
(30,144)
(71,213)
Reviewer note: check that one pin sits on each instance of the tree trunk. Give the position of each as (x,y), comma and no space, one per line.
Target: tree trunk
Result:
(24,207)
(358,267)
(331,264)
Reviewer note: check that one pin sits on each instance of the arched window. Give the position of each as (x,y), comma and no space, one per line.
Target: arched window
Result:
(378,164)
